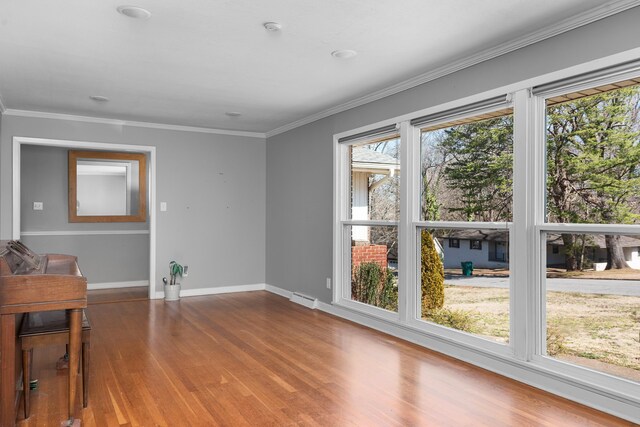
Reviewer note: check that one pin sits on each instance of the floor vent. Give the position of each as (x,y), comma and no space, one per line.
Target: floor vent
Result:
(305,300)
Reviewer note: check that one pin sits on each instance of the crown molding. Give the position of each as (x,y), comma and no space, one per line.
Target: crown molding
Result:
(603,11)
(89,119)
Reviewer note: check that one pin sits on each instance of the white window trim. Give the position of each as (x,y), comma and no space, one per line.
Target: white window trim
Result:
(612,385)
(527,303)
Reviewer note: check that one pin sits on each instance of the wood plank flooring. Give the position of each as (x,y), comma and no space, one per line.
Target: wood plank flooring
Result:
(104,296)
(255,359)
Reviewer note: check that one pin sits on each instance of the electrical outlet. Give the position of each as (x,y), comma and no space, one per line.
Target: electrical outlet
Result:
(328,282)
(38,206)
(185,271)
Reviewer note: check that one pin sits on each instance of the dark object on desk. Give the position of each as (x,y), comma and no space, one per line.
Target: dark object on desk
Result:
(57,284)
(20,258)
(44,328)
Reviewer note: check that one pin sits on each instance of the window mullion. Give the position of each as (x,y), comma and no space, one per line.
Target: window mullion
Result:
(522,221)
(536,326)
(406,240)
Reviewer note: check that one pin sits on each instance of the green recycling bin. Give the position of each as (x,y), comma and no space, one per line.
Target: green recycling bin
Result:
(467,268)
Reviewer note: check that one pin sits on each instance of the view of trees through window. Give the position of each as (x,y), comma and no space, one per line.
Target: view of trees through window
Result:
(593,280)
(467,170)
(466,175)
(592,176)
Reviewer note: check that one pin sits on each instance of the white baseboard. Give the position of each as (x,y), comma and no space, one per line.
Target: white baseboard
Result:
(218,290)
(279,291)
(525,372)
(115,285)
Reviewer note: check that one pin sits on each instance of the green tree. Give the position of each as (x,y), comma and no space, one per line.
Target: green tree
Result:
(479,164)
(593,166)
(431,274)
(374,285)
(431,167)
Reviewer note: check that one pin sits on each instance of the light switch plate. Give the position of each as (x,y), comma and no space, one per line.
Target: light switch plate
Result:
(38,206)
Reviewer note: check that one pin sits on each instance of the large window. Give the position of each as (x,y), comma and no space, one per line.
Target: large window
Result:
(513,229)
(592,278)
(374,172)
(466,175)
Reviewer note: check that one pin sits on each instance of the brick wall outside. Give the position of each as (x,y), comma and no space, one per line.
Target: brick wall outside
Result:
(369,253)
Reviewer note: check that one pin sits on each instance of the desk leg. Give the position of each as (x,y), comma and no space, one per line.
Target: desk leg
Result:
(75,329)
(8,366)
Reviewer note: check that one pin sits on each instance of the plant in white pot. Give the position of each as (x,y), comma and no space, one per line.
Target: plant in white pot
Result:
(172,288)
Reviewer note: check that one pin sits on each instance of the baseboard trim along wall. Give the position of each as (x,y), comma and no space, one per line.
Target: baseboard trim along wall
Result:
(115,285)
(219,290)
(525,372)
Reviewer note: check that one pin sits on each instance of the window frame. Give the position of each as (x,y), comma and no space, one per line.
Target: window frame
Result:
(596,379)
(526,285)
(342,211)
(455,245)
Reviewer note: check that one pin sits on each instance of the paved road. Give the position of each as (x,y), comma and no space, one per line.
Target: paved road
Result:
(585,286)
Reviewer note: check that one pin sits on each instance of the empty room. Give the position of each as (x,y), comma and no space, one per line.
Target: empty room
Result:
(329,213)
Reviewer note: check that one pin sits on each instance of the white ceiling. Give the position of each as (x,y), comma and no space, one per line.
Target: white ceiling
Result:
(192,61)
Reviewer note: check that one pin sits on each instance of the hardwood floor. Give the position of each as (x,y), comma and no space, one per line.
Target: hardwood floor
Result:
(255,359)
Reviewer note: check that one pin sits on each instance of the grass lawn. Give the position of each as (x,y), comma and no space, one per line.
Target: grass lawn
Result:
(598,331)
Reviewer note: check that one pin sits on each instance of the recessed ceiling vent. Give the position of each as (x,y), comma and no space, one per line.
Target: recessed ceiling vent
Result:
(134,12)
(274,27)
(344,53)
(99,98)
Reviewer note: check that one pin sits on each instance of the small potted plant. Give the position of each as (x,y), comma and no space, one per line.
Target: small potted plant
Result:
(172,288)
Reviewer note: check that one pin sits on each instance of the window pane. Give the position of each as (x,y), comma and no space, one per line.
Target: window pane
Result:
(593,157)
(593,308)
(467,169)
(465,288)
(375,180)
(374,266)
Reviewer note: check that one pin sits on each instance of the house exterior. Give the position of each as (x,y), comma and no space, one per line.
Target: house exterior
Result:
(364,164)
(490,249)
(596,251)
(485,249)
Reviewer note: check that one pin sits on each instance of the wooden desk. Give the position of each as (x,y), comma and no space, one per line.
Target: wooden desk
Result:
(59,285)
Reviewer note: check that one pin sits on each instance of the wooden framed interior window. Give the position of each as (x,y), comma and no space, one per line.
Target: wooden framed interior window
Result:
(107,186)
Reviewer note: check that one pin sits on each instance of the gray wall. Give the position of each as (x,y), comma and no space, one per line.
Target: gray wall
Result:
(300,162)
(44,179)
(103,258)
(214,186)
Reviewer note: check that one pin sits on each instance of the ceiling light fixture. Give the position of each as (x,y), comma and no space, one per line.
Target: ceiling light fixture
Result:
(233,114)
(274,27)
(344,53)
(99,98)
(134,12)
